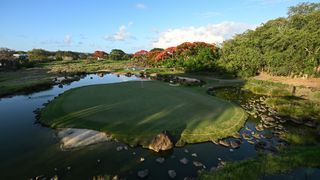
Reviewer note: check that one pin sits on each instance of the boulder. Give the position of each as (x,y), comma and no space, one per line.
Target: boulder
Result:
(162,141)
(311,124)
(235,144)
(197,164)
(143,173)
(259,127)
(184,161)
(296,121)
(172,173)
(224,143)
(160,160)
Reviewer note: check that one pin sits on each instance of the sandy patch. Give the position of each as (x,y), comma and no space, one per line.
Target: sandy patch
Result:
(71,138)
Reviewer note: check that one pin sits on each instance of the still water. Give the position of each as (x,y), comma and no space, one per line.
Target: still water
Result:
(29,150)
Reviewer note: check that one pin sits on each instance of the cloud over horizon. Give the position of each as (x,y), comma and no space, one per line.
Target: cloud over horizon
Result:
(120,35)
(211,33)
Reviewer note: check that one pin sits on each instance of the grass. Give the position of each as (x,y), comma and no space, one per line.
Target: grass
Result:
(135,112)
(267,88)
(24,81)
(85,66)
(294,107)
(267,164)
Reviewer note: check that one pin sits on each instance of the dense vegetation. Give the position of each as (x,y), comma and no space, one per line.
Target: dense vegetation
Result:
(284,46)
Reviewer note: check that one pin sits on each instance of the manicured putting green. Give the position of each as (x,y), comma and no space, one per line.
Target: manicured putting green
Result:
(134,112)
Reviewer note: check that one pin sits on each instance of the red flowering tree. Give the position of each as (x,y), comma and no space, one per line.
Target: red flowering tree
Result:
(99,54)
(140,55)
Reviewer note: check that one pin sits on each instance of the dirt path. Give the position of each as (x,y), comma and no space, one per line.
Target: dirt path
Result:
(310,82)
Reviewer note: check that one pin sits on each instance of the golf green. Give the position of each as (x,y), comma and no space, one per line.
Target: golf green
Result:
(134,112)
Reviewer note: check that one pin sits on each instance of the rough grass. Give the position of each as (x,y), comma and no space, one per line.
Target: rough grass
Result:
(24,80)
(296,108)
(267,88)
(135,112)
(86,66)
(267,164)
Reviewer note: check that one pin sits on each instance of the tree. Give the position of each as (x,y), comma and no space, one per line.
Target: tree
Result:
(156,49)
(303,8)
(283,46)
(39,55)
(99,54)
(117,54)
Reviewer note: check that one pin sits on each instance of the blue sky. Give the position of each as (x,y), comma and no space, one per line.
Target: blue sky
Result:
(130,25)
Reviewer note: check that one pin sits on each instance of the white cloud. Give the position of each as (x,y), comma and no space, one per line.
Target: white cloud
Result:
(141,6)
(212,33)
(121,35)
(67,39)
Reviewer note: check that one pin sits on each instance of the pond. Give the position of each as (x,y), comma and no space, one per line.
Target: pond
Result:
(29,150)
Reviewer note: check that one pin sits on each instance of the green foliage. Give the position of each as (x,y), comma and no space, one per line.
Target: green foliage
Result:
(156,49)
(117,54)
(61,55)
(268,164)
(267,88)
(39,55)
(284,46)
(304,8)
(296,108)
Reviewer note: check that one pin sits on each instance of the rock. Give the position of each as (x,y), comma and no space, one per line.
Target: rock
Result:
(257,136)
(246,136)
(224,143)
(162,141)
(297,121)
(215,142)
(74,138)
(259,127)
(235,144)
(160,160)
(197,164)
(172,173)
(116,177)
(194,155)
(55,177)
(143,173)
(186,150)
(268,136)
(119,148)
(69,168)
(142,159)
(125,147)
(184,161)
(311,124)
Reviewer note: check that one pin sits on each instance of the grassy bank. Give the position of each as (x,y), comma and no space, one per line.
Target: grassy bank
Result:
(135,112)
(28,80)
(24,81)
(267,164)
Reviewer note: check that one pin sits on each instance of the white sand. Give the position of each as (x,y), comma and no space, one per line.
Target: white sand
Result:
(74,138)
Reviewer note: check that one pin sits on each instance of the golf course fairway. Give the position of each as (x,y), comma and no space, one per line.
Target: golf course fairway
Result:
(135,112)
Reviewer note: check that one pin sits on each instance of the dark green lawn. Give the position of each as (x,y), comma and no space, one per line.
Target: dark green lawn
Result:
(134,112)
